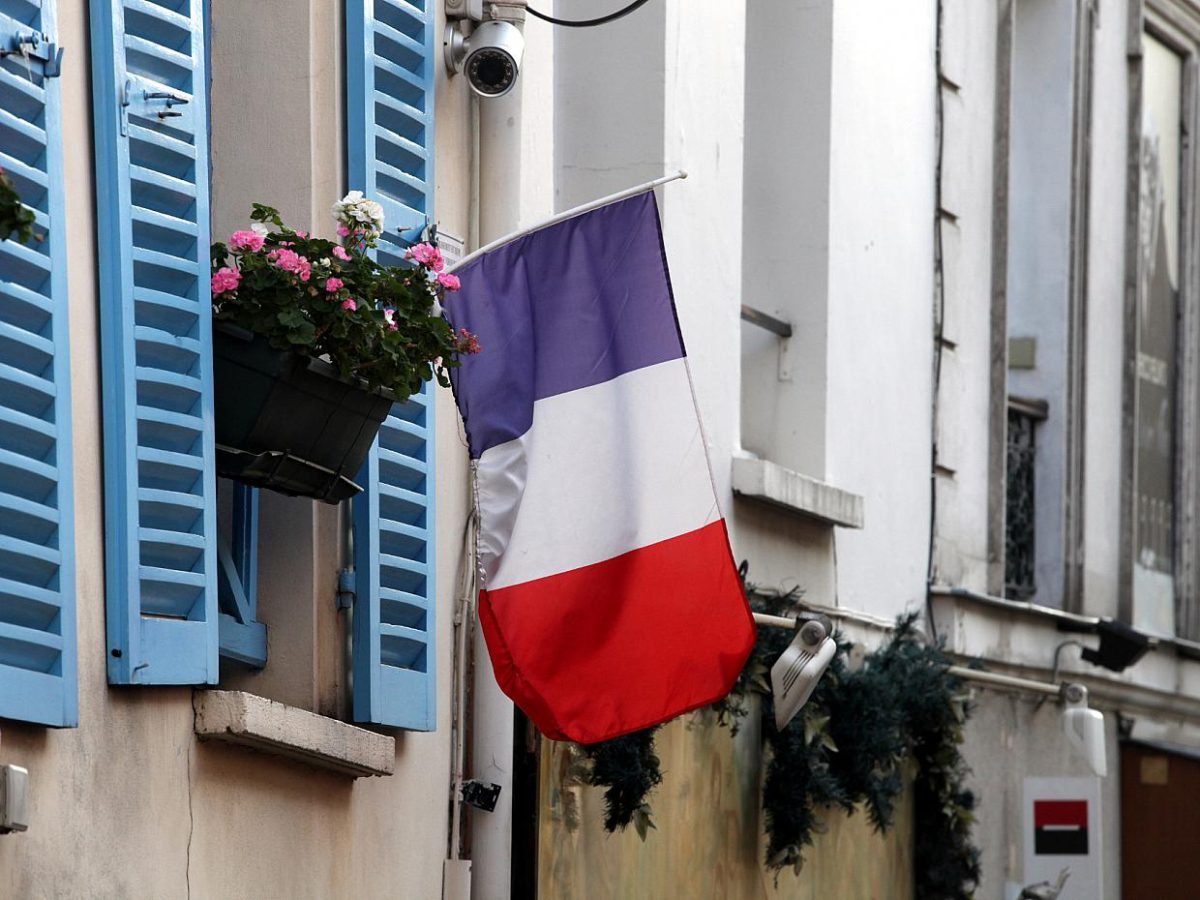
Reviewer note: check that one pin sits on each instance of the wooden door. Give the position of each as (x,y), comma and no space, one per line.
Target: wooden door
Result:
(1160,824)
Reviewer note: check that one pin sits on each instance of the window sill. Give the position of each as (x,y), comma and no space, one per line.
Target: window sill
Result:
(760,479)
(237,717)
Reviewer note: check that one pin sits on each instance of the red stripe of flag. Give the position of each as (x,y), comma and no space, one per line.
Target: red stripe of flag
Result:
(626,643)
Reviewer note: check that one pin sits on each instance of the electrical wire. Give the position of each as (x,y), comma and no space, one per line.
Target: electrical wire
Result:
(588,23)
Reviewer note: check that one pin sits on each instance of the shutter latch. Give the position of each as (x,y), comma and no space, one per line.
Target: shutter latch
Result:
(139,100)
(36,45)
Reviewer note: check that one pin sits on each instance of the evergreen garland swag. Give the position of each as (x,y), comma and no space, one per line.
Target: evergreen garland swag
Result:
(861,730)
(16,219)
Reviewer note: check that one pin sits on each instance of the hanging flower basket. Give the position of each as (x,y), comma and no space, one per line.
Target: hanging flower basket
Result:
(313,341)
(288,422)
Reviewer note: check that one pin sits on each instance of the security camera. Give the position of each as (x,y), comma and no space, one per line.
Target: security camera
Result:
(795,674)
(1084,728)
(490,56)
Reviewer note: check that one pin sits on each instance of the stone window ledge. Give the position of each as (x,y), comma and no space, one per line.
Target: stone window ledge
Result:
(760,479)
(237,717)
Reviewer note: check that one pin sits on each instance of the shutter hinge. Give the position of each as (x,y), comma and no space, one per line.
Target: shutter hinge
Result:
(346,589)
(36,45)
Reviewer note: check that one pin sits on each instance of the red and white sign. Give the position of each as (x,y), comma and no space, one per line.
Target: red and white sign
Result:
(1062,833)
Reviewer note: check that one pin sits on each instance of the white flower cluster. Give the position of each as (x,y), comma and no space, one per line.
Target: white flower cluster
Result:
(356,211)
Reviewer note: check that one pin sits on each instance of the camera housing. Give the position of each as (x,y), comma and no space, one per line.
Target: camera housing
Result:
(490,56)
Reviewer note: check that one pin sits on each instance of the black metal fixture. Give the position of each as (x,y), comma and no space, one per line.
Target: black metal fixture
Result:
(481,795)
(1120,646)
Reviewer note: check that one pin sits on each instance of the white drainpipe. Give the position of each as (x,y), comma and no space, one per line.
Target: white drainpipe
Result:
(490,724)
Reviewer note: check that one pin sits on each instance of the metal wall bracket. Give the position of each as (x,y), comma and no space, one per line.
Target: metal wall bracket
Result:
(14,799)
(777,327)
(481,795)
(347,582)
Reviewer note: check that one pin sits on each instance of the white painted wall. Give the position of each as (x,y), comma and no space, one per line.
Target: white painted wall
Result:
(968,233)
(881,288)
(785,231)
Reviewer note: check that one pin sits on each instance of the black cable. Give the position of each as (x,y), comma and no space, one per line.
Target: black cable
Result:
(588,23)
(939,319)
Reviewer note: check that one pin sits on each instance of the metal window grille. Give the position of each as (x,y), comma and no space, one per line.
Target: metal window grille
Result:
(1020,536)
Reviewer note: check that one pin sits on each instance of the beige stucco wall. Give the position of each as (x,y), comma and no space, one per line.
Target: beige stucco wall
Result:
(129,804)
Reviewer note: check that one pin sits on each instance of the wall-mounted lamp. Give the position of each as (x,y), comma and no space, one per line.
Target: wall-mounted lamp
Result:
(1084,728)
(795,674)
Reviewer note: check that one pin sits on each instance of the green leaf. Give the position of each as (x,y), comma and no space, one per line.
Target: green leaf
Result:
(814,726)
(642,821)
(263,213)
(292,318)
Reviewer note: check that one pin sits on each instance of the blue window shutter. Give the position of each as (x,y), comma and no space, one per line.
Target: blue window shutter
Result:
(37,590)
(390,57)
(389,113)
(151,122)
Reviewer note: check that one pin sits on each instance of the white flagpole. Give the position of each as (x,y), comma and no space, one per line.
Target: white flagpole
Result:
(569,214)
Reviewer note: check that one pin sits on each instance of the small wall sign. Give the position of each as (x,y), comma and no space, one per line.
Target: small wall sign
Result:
(1062,832)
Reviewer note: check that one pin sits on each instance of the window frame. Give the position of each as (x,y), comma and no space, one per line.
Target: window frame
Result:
(1068,585)
(1178,27)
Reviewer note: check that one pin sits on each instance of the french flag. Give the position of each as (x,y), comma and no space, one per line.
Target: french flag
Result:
(610,600)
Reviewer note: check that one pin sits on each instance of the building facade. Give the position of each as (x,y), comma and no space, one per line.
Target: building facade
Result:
(969,229)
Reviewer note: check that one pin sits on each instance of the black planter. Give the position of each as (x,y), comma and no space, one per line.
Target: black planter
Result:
(287,422)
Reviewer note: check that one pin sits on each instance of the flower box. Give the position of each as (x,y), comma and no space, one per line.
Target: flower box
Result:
(314,341)
(288,422)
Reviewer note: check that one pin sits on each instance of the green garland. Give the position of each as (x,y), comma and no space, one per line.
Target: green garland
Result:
(15,217)
(628,769)
(848,746)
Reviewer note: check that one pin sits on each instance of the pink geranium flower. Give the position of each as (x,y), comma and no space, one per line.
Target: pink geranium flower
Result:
(390,316)
(349,304)
(225,280)
(449,282)
(343,231)
(246,240)
(341,253)
(334,284)
(426,255)
(467,342)
(291,261)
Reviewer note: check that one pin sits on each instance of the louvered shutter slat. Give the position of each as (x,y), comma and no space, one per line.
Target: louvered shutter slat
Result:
(37,592)
(390,111)
(21,130)
(390,55)
(157,345)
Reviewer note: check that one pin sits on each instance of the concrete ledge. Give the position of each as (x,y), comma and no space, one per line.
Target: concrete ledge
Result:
(762,480)
(252,721)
